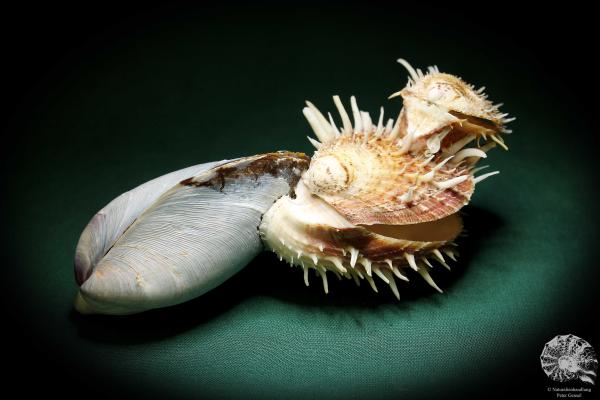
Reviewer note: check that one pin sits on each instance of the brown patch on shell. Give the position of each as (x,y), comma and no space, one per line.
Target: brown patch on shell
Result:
(285,164)
(308,232)
(383,242)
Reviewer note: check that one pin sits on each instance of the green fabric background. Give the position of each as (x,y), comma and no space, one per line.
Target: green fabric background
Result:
(157,93)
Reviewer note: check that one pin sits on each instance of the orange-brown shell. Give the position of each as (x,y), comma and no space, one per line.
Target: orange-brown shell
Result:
(307,232)
(378,199)
(373,182)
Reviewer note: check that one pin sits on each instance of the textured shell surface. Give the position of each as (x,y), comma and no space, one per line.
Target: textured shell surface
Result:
(188,239)
(110,222)
(370,180)
(435,101)
(384,199)
(308,232)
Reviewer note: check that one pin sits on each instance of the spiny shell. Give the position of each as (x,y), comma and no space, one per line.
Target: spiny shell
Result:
(380,198)
(413,171)
(370,180)
(308,232)
(435,101)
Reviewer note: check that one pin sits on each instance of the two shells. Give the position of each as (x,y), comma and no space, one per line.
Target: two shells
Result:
(376,202)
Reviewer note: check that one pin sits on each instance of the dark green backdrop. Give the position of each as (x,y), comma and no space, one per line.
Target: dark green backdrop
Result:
(104,101)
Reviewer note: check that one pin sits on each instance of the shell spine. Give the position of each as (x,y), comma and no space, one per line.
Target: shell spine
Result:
(380,200)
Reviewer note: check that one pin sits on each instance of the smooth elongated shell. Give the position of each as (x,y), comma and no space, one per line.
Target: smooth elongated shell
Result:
(372,181)
(307,232)
(110,222)
(190,239)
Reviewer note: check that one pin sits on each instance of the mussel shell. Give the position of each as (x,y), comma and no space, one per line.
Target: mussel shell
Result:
(190,239)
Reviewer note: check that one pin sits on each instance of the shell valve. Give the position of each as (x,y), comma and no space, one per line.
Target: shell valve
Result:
(382,200)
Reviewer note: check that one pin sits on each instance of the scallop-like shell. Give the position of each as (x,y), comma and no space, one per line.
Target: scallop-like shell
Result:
(568,357)
(383,199)
(369,180)
(438,102)
(307,232)
(370,175)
